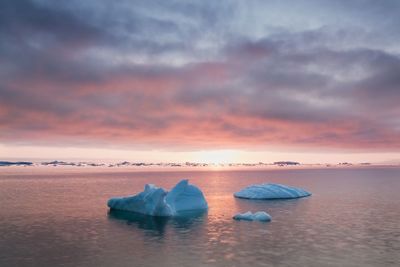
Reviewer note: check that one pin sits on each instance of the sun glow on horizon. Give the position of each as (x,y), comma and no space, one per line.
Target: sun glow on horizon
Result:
(217,156)
(222,156)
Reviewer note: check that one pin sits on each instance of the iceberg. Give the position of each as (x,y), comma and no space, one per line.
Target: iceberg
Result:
(156,201)
(271,191)
(257,216)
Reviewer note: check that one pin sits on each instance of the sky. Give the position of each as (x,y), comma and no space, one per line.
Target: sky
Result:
(206,81)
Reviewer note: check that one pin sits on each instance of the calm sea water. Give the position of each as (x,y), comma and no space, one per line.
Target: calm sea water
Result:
(56,219)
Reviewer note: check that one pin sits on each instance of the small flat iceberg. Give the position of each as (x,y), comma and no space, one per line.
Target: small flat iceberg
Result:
(156,201)
(257,216)
(271,191)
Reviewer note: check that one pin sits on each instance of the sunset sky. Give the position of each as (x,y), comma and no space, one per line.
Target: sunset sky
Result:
(209,81)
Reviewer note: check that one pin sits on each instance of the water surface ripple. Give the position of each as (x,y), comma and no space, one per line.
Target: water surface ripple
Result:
(59,219)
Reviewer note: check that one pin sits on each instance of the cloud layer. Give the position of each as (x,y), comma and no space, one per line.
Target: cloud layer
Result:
(189,75)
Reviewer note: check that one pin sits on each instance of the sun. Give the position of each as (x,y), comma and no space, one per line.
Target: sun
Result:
(216,156)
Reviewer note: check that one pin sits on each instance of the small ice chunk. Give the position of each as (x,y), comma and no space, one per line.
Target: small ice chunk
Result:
(156,201)
(271,191)
(257,216)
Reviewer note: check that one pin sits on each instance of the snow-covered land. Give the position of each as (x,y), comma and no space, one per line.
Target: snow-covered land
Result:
(257,216)
(16,163)
(271,191)
(156,201)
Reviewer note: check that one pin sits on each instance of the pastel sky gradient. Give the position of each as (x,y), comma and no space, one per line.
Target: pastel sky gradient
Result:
(244,81)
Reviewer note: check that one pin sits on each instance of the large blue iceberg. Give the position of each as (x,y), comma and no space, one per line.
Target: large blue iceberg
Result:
(271,191)
(156,201)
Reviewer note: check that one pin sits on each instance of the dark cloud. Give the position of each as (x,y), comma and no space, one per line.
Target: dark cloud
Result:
(187,74)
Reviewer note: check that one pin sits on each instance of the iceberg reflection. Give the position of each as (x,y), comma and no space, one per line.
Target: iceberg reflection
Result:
(158,224)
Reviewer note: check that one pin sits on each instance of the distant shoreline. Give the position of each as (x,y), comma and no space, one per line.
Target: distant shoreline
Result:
(50,169)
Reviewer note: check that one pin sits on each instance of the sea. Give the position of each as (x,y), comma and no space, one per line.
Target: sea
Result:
(55,217)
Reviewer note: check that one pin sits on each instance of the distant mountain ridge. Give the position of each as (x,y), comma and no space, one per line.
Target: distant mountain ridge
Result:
(55,163)
(18,163)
